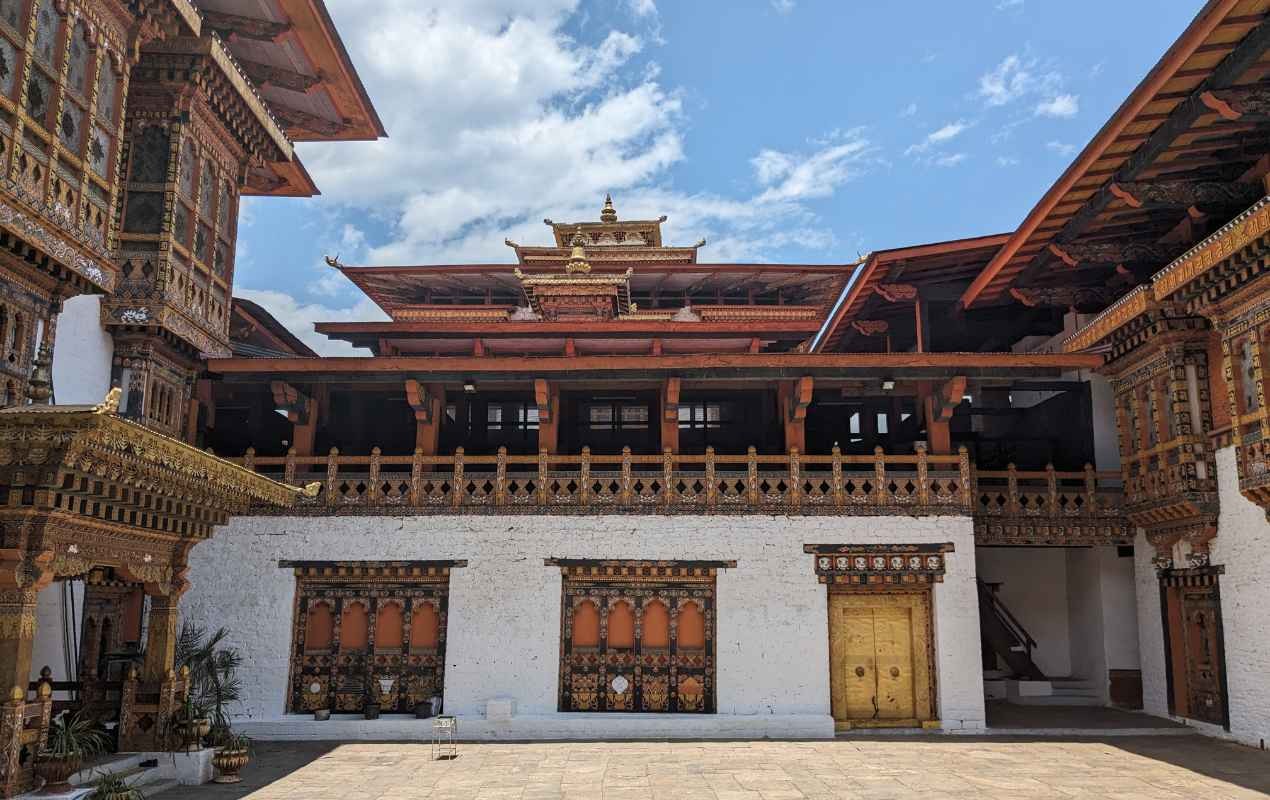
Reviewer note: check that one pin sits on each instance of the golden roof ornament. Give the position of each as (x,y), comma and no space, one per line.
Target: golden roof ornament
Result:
(109,405)
(40,385)
(577,259)
(608,213)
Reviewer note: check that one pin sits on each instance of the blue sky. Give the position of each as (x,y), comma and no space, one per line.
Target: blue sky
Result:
(778,130)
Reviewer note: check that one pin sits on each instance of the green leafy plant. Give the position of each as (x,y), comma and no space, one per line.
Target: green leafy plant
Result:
(214,682)
(75,735)
(110,785)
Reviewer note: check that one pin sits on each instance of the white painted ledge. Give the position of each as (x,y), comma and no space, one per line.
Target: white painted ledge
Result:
(534,727)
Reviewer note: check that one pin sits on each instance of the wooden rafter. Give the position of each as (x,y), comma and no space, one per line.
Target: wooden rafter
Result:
(269,75)
(1184,194)
(233,26)
(295,118)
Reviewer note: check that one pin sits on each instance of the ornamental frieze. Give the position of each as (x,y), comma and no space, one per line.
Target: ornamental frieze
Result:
(879,564)
(1226,242)
(100,274)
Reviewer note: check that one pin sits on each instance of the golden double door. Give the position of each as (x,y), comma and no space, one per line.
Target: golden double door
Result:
(880,658)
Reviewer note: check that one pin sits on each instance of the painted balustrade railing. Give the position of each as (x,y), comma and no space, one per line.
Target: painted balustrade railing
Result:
(627,483)
(1047,493)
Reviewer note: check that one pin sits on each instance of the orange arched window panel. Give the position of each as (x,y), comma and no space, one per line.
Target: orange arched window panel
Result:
(692,627)
(320,628)
(621,632)
(425,626)
(586,625)
(389,622)
(353,627)
(656,625)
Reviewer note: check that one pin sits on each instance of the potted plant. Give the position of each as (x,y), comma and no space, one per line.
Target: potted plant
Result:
(72,739)
(112,786)
(193,724)
(231,756)
(213,671)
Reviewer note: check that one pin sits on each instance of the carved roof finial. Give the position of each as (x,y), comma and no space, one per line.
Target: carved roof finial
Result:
(608,213)
(577,258)
(110,405)
(333,262)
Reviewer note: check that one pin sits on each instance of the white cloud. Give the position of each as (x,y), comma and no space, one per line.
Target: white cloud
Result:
(497,117)
(909,110)
(783,6)
(937,137)
(1063,106)
(950,159)
(1008,81)
(1009,5)
(790,177)
(1007,161)
(643,8)
(1062,148)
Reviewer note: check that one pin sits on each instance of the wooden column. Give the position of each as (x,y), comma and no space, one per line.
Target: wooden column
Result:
(17,636)
(670,414)
(795,397)
(547,398)
(938,404)
(161,636)
(428,403)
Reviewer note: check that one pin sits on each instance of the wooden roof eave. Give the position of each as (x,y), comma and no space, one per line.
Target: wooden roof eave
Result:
(1210,18)
(79,434)
(714,366)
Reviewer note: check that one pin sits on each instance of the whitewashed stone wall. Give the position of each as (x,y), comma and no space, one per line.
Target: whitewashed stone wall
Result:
(1243,547)
(82,354)
(504,623)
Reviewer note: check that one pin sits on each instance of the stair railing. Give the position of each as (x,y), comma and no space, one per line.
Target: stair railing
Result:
(1008,619)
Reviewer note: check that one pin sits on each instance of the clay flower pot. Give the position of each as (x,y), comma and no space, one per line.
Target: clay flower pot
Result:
(56,770)
(228,761)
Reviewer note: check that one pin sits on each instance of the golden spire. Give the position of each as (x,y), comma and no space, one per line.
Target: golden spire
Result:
(577,259)
(608,213)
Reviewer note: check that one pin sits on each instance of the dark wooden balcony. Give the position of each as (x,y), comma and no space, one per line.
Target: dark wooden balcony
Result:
(1009,506)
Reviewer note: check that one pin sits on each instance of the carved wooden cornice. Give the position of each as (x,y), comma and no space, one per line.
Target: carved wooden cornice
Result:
(1062,296)
(870,327)
(89,451)
(880,564)
(1130,307)
(1233,237)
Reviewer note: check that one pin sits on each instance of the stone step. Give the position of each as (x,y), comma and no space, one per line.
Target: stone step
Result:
(1057,700)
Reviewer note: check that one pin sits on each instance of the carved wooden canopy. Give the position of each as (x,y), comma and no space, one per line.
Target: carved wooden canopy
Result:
(87,460)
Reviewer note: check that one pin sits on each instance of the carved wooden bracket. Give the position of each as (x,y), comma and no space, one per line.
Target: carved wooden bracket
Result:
(801,398)
(896,292)
(1233,104)
(870,327)
(542,397)
(949,397)
(1075,253)
(670,399)
(420,400)
(291,400)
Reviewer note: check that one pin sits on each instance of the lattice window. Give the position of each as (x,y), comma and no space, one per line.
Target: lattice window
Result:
(1248,377)
(358,623)
(149,155)
(638,636)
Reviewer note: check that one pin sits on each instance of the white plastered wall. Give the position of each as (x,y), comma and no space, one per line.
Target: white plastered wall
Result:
(58,610)
(82,354)
(504,610)
(1240,547)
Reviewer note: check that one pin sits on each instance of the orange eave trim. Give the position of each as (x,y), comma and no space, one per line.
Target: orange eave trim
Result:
(1207,21)
(487,329)
(558,364)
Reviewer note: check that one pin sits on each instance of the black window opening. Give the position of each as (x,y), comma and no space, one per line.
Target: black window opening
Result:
(482,423)
(858,425)
(731,423)
(608,422)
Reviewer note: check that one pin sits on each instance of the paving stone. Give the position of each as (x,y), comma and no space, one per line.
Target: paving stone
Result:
(929,767)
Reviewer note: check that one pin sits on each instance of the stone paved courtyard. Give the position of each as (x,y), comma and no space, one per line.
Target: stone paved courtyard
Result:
(1128,768)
